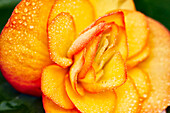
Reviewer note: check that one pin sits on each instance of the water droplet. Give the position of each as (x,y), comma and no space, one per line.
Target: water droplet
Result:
(14,22)
(25,10)
(10,38)
(23,18)
(145,95)
(27,3)
(16,17)
(20,21)
(33,3)
(31,27)
(25,23)
(16,10)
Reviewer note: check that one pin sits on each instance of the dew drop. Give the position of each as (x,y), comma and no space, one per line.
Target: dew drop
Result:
(27,3)
(33,3)
(16,10)
(14,22)
(20,21)
(31,27)
(25,10)
(16,17)
(25,23)
(23,17)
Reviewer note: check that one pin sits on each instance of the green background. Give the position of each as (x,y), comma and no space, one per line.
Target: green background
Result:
(12,101)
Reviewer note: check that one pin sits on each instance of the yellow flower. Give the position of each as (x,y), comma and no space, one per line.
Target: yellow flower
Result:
(104,59)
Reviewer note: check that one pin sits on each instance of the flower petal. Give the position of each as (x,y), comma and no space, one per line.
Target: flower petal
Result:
(91,103)
(104,6)
(52,85)
(121,43)
(90,55)
(114,76)
(137,31)
(79,60)
(81,10)
(142,82)
(51,107)
(23,45)
(85,38)
(114,16)
(157,66)
(127,98)
(61,34)
(133,61)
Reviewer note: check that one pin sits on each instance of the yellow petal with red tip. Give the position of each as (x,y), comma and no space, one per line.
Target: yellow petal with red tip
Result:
(51,107)
(157,66)
(133,61)
(61,34)
(114,16)
(52,85)
(79,60)
(141,80)
(137,31)
(81,10)
(92,103)
(85,38)
(127,98)
(91,50)
(23,46)
(103,6)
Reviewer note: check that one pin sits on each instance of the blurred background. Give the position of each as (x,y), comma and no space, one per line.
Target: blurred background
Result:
(12,101)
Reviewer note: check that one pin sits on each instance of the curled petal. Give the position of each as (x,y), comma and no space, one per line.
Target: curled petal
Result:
(52,86)
(61,34)
(85,38)
(91,103)
(133,61)
(137,31)
(127,98)
(142,82)
(81,10)
(51,107)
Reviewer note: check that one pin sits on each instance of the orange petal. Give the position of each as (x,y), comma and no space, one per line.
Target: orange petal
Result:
(103,6)
(81,10)
(157,66)
(133,61)
(115,16)
(137,31)
(52,85)
(89,57)
(92,103)
(51,107)
(121,43)
(76,68)
(23,43)
(114,76)
(141,80)
(85,38)
(61,34)
(89,77)
(127,98)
